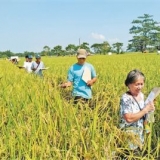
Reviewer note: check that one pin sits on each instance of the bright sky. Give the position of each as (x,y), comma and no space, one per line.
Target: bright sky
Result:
(29,25)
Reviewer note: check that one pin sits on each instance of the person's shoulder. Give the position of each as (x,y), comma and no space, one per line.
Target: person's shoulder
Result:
(125,99)
(142,95)
(88,64)
(25,62)
(71,67)
(125,96)
(30,63)
(75,65)
(34,63)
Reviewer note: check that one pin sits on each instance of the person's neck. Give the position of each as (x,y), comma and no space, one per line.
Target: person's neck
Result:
(80,63)
(133,94)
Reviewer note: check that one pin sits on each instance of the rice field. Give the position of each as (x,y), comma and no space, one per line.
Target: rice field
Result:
(39,121)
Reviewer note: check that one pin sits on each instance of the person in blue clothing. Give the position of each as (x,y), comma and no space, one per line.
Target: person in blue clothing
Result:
(82,76)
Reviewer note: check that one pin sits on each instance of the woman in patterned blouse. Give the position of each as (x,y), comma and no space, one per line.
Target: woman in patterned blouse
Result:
(132,108)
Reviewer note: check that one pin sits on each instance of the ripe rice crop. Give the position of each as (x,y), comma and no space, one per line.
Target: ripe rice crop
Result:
(39,120)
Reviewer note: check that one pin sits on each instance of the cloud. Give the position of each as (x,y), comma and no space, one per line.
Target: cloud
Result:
(113,40)
(97,36)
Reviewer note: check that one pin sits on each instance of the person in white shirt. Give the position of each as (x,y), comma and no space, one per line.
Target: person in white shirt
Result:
(37,66)
(24,64)
(28,64)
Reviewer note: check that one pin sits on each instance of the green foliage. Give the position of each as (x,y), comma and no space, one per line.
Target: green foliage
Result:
(85,46)
(6,54)
(71,49)
(102,48)
(57,50)
(146,33)
(118,47)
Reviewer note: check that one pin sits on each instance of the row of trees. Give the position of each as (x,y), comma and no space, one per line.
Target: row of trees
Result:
(146,36)
(97,48)
(101,48)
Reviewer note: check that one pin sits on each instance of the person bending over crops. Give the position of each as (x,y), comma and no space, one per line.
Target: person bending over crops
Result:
(133,110)
(37,66)
(82,76)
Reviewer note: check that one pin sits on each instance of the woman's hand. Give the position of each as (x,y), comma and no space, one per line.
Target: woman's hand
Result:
(133,117)
(149,107)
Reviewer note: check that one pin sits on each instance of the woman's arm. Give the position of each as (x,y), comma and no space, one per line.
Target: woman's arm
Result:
(133,117)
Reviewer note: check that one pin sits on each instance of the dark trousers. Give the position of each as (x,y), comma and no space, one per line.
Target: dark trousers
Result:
(80,99)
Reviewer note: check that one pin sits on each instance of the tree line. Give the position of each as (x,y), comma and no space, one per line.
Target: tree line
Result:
(71,49)
(146,37)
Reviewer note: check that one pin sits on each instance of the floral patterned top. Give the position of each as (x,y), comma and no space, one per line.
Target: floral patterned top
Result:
(129,105)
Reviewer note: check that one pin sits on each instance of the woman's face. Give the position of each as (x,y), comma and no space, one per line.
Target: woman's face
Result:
(136,87)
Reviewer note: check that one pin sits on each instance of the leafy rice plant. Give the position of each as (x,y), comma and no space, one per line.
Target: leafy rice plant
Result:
(39,120)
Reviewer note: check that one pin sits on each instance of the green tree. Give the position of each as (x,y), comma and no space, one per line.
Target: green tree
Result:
(156,40)
(57,50)
(7,53)
(118,47)
(96,48)
(46,51)
(85,46)
(101,48)
(105,47)
(71,49)
(145,31)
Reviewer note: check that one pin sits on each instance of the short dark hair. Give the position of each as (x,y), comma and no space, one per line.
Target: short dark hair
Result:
(26,56)
(133,76)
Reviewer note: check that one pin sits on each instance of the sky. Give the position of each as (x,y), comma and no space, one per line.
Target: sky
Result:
(29,25)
